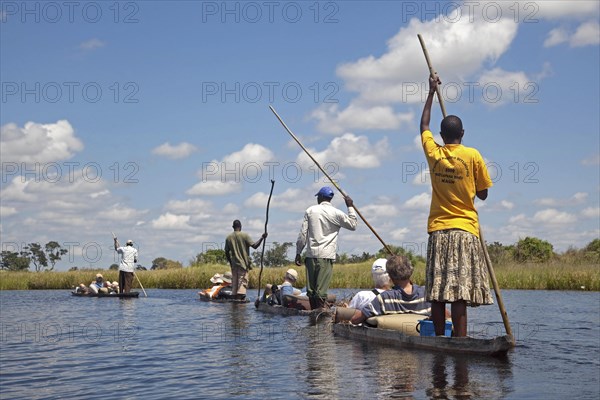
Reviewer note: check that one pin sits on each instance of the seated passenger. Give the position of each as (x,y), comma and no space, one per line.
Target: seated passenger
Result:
(276,294)
(404,297)
(82,289)
(381,280)
(98,285)
(220,282)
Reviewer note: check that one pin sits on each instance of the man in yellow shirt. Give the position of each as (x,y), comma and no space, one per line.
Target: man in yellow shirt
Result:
(456,272)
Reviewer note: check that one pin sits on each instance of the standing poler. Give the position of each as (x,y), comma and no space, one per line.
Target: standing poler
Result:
(456,272)
(237,251)
(319,233)
(129,256)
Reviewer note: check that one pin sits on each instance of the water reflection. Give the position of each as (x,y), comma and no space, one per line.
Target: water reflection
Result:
(450,378)
(321,366)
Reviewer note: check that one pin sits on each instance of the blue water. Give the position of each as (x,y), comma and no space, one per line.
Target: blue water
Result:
(170,345)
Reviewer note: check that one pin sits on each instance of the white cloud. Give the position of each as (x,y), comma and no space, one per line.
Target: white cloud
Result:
(191,206)
(552,216)
(591,161)
(508,205)
(214,188)
(399,235)
(333,120)
(577,199)
(419,202)
(591,212)
(92,44)
(586,34)
(251,153)
(557,9)
(7,211)
(556,36)
(172,221)
(348,150)
(38,143)
(380,210)
(181,150)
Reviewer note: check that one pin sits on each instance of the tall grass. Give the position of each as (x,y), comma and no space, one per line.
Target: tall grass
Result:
(555,275)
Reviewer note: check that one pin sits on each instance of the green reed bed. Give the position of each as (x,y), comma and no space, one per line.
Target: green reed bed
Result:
(550,276)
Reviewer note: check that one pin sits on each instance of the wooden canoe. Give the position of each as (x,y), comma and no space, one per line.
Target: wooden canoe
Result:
(498,346)
(222,299)
(281,310)
(115,295)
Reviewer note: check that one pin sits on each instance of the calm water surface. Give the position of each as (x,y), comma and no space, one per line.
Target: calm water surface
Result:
(170,345)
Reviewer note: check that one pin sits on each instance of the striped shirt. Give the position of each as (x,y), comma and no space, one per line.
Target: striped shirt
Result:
(397,301)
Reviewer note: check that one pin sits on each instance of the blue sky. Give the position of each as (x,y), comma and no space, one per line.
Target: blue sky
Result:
(151,119)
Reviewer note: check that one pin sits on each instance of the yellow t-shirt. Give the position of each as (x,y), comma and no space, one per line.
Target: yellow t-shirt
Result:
(457,173)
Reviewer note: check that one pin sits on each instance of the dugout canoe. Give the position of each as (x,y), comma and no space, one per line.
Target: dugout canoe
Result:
(496,347)
(221,299)
(281,310)
(130,295)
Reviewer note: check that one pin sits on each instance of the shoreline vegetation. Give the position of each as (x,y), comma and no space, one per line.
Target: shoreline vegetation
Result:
(551,275)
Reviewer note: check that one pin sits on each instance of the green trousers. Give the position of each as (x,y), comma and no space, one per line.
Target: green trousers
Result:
(318,277)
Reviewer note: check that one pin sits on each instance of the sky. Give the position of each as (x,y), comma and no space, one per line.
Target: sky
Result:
(151,119)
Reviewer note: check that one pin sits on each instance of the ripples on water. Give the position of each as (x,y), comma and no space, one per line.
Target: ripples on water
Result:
(170,345)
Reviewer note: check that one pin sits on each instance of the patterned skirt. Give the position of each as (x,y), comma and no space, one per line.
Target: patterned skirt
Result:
(456,268)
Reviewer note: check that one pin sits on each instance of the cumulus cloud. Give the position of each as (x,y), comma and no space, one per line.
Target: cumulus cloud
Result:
(92,44)
(552,216)
(38,143)
(7,211)
(591,212)
(418,202)
(577,199)
(181,150)
(214,188)
(172,221)
(333,120)
(586,34)
(348,150)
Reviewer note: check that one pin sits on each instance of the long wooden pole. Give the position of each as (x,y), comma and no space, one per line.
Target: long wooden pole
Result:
(488,261)
(262,253)
(389,250)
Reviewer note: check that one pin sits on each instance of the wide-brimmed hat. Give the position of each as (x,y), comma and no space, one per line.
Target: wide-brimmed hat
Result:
(129,242)
(99,276)
(291,274)
(379,265)
(115,283)
(227,277)
(217,278)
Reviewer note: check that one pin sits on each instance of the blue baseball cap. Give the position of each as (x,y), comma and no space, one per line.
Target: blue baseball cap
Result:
(325,191)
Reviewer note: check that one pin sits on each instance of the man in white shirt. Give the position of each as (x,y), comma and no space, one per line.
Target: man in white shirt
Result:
(129,256)
(319,233)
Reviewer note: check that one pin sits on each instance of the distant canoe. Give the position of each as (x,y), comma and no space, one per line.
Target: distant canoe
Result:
(115,295)
(498,346)
(281,310)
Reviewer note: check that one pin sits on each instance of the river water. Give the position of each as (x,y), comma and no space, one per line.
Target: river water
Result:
(170,345)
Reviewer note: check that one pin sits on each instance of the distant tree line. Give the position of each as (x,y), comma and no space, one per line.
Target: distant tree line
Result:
(42,258)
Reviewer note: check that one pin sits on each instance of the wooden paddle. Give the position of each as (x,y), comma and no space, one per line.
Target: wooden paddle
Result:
(134,274)
(389,250)
(262,254)
(488,261)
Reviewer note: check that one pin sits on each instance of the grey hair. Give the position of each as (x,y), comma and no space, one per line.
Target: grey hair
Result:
(380,279)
